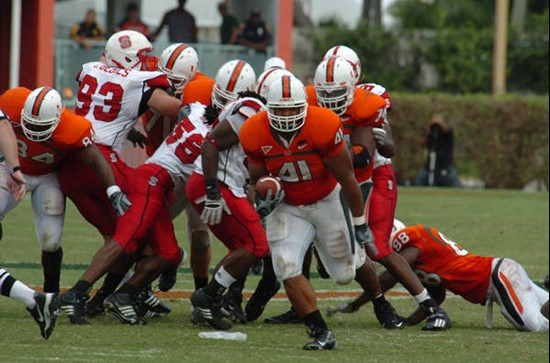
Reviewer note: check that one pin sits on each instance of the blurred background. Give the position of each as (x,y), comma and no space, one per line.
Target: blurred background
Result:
(480,66)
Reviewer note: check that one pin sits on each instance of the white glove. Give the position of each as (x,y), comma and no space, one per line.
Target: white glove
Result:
(214,204)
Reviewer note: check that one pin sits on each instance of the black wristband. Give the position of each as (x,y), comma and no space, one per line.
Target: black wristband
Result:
(15,169)
(212,189)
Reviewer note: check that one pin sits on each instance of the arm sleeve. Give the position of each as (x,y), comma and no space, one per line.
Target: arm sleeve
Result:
(330,137)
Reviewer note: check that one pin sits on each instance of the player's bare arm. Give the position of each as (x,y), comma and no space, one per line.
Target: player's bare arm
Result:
(93,157)
(363,146)
(164,104)
(8,146)
(256,171)
(220,138)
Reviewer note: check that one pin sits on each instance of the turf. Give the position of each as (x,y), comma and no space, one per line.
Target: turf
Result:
(498,223)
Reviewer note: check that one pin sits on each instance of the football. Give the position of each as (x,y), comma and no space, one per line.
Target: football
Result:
(266,183)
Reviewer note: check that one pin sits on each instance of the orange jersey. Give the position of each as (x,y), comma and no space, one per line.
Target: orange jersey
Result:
(38,158)
(199,89)
(367,109)
(305,179)
(443,262)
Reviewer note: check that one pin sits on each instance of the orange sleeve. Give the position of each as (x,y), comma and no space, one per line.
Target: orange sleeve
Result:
(12,102)
(311,96)
(249,137)
(75,131)
(198,90)
(368,108)
(328,133)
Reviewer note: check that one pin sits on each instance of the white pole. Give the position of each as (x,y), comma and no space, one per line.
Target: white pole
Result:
(15,42)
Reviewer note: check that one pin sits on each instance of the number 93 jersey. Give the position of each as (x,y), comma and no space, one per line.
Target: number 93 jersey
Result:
(443,262)
(38,158)
(113,98)
(178,152)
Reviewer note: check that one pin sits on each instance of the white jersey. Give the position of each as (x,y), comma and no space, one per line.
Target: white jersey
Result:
(110,98)
(177,154)
(232,165)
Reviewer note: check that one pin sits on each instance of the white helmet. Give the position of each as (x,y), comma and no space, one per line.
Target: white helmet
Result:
(397,226)
(41,113)
(126,49)
(285,94)
(274,62)
(180,63)
(349,55)
(334,84)
(265,79)
(233,77)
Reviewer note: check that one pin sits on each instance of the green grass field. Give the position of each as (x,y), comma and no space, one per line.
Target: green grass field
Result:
(498,223)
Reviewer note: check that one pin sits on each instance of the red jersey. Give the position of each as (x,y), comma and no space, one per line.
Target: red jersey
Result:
(305,179)
(443,262)
(38,158)
(366,110)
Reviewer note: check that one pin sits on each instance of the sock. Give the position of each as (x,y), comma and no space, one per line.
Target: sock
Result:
(51,263)
(379,300)
(200,282)
(112,280)
(423,296)
(82,287)
(23,293)
(428,304)
(314,321)
(129,289)
(268,274)
(221,281)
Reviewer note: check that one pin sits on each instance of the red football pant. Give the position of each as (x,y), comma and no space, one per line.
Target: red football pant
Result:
(81,184)
(149,188)
(383,200)
(241,229)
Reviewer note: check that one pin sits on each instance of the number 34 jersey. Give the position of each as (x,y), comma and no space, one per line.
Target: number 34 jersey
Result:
(38,158)
(178,152)
(112,99)
(443,262)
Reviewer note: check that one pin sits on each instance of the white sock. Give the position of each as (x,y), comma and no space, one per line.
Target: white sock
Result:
(21,292)
(423,296)
(223,278)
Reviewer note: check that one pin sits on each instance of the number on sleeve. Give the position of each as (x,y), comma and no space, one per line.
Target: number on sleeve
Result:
(455,246)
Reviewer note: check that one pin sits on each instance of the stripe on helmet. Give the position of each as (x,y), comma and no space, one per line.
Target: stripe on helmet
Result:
(236,72)
(38,100)
(286,86)
(335,51)
(175,54)
(264,78)
(330,69)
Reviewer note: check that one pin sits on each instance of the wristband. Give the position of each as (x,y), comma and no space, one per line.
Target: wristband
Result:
(15,169)
(357,221)
(112,190)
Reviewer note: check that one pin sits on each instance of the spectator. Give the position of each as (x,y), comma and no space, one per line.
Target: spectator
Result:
(255,33)
(439,169)
(133,22)
(229,30)
(181,25)
(89,30)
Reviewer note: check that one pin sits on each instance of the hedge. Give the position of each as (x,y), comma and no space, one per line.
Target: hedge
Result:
(501,140)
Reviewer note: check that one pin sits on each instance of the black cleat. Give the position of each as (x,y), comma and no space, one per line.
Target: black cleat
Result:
(45,312)
(437,319)
(72,303)
(232,306)
(121,306)
(94,307)
(387,316)
(323,339)
(256,304)
(207,310)
(289,317)
(149,305)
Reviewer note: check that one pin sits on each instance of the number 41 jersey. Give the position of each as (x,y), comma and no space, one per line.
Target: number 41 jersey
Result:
(112,99)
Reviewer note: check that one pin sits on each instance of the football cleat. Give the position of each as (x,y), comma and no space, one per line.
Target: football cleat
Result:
(256,304)
(323,339)
(387,316)
(207,310)
(45,312)
(149,305)
(232,306)
(437,319)
(72,304)
(289,317)
(94,307)
(121,306)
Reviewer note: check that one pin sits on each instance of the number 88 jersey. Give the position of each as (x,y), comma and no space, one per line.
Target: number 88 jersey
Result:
(443,262)
(39,158)
(113,98)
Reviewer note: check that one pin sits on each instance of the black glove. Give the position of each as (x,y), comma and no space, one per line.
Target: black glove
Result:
(265,206)
(361,159)
(363,235)
(137,138)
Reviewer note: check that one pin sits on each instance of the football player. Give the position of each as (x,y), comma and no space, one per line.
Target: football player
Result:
(442,264)
(217,190)
(46,134)
(304,146)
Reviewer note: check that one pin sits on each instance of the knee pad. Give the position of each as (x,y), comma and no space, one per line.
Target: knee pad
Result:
(345,275)
(337,244)
(53,202)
